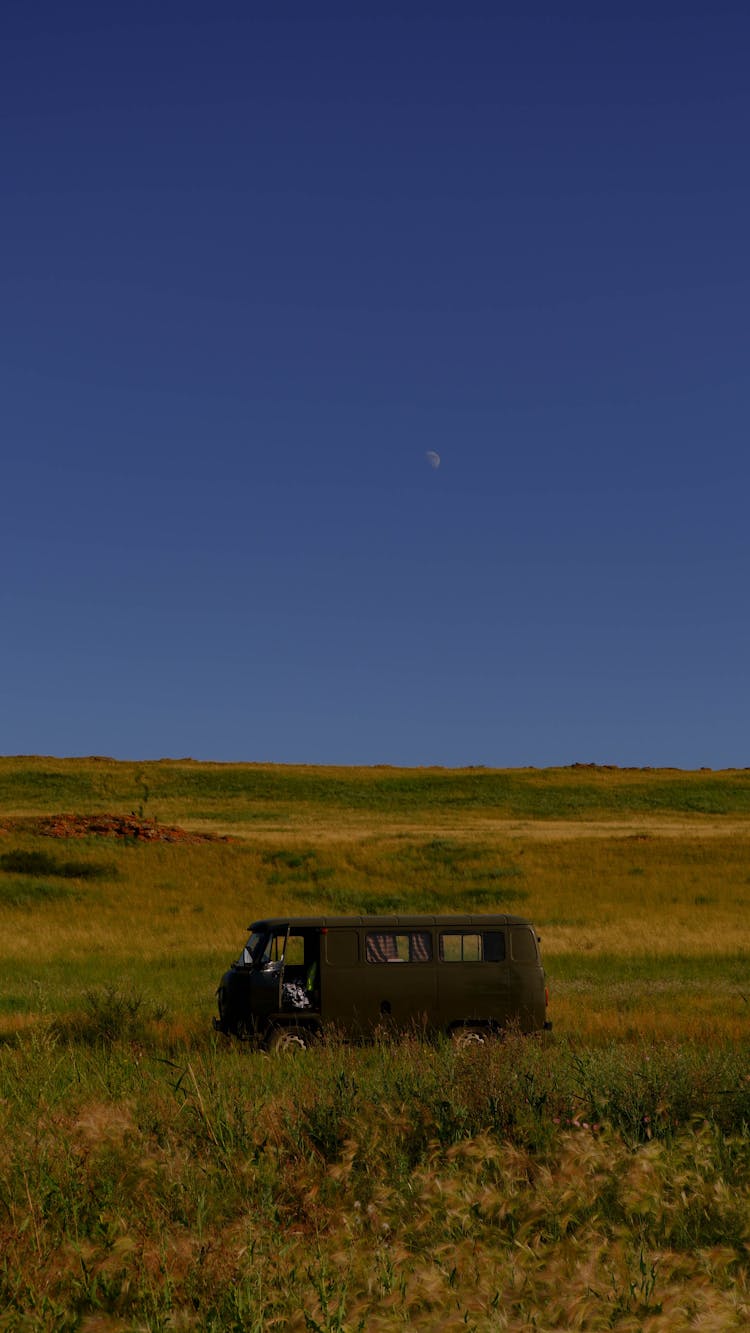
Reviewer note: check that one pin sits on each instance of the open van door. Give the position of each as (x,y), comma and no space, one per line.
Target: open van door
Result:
(269,975)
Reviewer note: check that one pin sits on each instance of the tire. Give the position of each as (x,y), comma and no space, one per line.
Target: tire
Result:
(468,1036)
(288,1040)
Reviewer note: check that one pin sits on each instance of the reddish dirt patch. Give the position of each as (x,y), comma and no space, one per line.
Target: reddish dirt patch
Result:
(104,826)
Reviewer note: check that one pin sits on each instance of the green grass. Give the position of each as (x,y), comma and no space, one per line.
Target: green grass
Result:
(29,892)
(727,970)
(423,876)
(44,986)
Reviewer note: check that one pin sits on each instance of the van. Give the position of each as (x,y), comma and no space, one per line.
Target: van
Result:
(468,976)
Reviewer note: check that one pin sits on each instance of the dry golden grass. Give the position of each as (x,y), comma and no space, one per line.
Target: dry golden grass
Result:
(591,896)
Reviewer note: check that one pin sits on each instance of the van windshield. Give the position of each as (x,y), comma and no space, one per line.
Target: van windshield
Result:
(254,949)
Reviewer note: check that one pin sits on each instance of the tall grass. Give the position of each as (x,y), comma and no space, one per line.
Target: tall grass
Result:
(157,1186)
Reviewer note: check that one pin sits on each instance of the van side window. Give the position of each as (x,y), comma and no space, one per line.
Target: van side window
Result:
(460,947)
(385,946)
(274,948)
(456,947)
(494,946)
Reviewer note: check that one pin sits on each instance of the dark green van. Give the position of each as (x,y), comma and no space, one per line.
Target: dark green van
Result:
(468,976)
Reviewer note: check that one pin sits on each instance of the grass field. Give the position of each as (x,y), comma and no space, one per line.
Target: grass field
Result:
(155,1177)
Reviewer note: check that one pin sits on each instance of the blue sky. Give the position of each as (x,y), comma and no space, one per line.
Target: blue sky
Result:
(258,259)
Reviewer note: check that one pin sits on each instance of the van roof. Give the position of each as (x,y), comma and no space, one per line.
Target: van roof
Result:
(483,922)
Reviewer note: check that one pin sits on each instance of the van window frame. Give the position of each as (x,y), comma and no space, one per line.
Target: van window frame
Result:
(378,937)
(464,934)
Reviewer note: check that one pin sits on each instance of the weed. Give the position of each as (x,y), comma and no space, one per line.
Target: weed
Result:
(111,1015)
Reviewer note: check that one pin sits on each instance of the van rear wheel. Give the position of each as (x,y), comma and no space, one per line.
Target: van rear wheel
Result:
(288,1039)
(468,1036)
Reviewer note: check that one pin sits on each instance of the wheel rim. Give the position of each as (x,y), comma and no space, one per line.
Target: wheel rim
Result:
(468,1037)
(290,1041)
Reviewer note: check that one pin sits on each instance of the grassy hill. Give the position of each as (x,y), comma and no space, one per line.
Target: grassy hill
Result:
(248,793)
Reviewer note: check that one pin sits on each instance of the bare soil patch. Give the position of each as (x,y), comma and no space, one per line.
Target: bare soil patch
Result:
(130,827)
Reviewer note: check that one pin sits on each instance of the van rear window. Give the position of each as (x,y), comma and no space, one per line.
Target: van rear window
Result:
(387,946)
(458,946)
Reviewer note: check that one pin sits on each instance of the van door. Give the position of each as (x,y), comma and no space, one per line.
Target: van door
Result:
(378,977)
(267,977)
(340,980)
(398,987)
(300,981)
(473,977)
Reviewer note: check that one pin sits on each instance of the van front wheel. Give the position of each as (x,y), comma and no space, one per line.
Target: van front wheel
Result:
(468,1036)
(291,1039)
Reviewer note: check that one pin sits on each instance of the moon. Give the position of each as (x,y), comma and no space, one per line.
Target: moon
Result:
(432,458)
